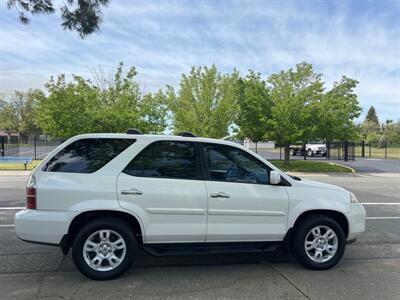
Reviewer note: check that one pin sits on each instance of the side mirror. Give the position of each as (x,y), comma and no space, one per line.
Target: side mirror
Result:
(274,178)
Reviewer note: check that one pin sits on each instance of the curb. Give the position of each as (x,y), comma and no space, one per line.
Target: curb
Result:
(346,167)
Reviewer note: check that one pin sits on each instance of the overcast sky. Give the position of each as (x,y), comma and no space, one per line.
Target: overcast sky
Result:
(359,39)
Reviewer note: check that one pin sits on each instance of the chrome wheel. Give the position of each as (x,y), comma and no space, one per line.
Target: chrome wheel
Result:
(104,250)
(321,244)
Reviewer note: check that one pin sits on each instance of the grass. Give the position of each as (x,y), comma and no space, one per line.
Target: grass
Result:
(310,166)
(18,166)
(391,152)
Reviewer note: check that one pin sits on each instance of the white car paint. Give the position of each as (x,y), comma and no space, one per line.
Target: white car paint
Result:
(178,211)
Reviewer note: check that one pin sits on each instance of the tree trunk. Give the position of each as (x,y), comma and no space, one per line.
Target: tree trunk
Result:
(304,151)
(287,154)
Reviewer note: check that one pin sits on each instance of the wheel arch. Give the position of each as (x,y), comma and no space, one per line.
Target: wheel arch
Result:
(87,216)
(338,216)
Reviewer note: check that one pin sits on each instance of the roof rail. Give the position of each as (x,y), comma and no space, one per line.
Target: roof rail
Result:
(133,131)
(187,134)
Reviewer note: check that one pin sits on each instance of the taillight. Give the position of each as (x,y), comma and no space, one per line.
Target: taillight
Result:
(31,193)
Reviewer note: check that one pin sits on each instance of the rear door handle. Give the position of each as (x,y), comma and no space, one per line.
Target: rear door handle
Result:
(219,195)
(131,192)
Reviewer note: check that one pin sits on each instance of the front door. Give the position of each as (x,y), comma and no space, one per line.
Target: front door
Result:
(164,185)
(242,205)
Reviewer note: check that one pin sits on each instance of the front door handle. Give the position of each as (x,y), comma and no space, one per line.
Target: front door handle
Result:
(219,195)
(131,192)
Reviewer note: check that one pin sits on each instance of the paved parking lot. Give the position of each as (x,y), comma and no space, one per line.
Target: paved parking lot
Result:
(370,269)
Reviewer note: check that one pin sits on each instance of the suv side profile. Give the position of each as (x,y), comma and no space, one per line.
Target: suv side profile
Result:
(106,195)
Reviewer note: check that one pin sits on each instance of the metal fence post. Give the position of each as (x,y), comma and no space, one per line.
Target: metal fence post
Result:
(2,146)
(363,148)
(369,148)
(346,150)
(385,149)
(34,146)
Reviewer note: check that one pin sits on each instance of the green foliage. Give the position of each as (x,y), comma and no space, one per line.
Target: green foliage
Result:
(391,133)
(83,16)
(79,106)
(294,94)
(204,104)
(254,107)
(372,116)
(18,113)
(338,110)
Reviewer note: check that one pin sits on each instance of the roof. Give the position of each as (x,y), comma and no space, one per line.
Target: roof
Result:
(152,137)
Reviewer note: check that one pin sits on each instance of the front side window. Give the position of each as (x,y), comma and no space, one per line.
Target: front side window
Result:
(165,159)
(87,155)
(231,164)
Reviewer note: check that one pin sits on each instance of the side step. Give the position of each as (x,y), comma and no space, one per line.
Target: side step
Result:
(209,248)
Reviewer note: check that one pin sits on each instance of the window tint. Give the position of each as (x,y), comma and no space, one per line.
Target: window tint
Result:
(87,155)
(234,165)
(165,159)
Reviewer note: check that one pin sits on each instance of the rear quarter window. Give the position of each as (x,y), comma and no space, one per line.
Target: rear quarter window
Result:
(87,155)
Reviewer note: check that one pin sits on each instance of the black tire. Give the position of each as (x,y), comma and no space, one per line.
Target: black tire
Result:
(292,152)
(106,223)
(300,234)
(309,153)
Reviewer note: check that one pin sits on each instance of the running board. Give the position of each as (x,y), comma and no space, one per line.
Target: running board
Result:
(209,248)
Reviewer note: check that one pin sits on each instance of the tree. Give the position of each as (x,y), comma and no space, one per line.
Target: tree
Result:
(254,107)
(79,106)
(18,113)
(372,116)
(83,16)
(294,94)
(204,104)
(370,128)
(337,111)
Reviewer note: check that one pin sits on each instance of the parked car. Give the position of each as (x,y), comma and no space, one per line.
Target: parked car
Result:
(310,149)
(106,195)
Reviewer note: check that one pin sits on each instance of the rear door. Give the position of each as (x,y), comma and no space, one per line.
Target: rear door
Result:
(165,186)
(242,205)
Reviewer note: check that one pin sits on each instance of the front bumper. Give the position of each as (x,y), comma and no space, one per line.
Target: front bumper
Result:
(42,226)
(356,219)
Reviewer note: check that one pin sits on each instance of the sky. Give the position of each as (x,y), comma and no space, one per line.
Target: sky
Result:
(163,39)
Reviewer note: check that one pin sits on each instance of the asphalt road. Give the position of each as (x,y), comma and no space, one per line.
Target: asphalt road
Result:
(369,270)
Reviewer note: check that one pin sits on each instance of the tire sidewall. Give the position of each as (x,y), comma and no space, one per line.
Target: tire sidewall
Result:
(301,233)
(113,224)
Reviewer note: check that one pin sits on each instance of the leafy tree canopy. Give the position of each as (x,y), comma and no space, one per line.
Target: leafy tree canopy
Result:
(18,113)
(372,116)
(294,94)
(79,106)
(83,16)
(254,105)
(204,103)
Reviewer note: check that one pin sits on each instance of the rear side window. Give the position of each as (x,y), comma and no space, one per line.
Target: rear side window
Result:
(87,155)
(166,159)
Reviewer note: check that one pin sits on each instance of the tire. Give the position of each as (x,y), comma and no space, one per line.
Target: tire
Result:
(115,253)
(304,233)
(291,152)
(309,153)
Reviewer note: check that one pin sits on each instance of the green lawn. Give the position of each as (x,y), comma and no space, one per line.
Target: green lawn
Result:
(310,166)
(18,166)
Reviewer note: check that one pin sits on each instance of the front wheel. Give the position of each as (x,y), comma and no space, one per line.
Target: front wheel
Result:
(309,153)
(319,243)
(104,249)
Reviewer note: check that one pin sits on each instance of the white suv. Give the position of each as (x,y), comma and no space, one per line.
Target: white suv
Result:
(105,195)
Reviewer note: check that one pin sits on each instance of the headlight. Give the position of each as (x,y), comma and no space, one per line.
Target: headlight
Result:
(353,198)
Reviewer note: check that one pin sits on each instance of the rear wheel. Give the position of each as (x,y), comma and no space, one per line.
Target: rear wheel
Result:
(104,249)
(309,153)
(291,152)
(318,242)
